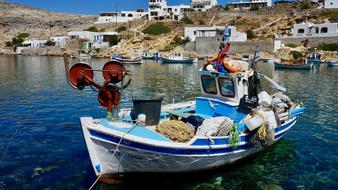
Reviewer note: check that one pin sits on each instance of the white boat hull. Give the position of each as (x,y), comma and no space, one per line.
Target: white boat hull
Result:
(136,156)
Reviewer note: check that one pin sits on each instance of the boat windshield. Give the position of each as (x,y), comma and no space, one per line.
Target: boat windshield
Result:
(226,87)
(209,84)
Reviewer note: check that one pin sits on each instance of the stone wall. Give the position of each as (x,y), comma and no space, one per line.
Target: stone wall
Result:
(313,41)
(206,46)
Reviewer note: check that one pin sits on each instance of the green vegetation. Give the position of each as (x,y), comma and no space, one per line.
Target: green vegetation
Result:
(226,7)
(331,15)
(23,35)
(254,7)
(177,41)
(16,41)
(187,20)
(328,47)
(94,29)
(305,5)
(50,43)
(114,40)
(250,34)
(291,45)
(296,55)
(121,28)
(157,28)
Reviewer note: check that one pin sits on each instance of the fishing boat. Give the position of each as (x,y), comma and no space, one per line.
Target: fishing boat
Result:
(306,65)
(127,59)
(178,58)
(231,120)
(332,63)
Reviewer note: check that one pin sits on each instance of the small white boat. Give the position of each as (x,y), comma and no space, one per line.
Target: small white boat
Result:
(178,58)
(151,56)
(130,144)
(332,63)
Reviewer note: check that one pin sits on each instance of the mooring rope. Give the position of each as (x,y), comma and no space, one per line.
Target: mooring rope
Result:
(98,178)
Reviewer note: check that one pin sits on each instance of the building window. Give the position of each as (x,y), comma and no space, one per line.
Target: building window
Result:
(130,15)
(209,84)
(301,31)
(317,30)
(195,32)
(323,30)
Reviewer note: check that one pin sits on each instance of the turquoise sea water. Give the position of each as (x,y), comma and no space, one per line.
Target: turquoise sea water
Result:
(41,144)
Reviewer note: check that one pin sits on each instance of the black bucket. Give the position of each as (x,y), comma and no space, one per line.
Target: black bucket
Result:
(150,107)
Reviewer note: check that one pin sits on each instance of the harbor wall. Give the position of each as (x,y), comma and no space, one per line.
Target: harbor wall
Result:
(207,46)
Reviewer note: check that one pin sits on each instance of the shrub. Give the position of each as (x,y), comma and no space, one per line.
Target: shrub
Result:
(291,45)
(331,15)
(187,20)
(23,35)
(8,44)
(92,29)
(296,54)
(305,5)
(250,34)
(226,7)
(17,41)
(328,47)
(157,28)
(50,43)
(201,22)
(121,28)
(114,40)
(254,7)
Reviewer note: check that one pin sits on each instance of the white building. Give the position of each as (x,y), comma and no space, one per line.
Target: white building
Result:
(60,41)
(203,5)
(123,16)
(315,30)
(95,39)
(34,43)
(249,4)
(331,4)
(213,31)
(178,12)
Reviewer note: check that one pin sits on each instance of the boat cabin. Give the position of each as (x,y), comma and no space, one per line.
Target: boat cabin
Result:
(229,88)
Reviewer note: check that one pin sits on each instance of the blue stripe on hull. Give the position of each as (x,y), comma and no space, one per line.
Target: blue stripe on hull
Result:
(167,150)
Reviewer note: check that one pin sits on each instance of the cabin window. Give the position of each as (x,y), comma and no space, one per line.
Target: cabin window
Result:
(226,87)
(323,30)
(209,84)
(300,31)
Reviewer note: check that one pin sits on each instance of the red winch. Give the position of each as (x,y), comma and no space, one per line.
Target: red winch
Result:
(81,75)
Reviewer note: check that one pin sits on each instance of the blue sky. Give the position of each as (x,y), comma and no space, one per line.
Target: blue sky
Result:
(93,6)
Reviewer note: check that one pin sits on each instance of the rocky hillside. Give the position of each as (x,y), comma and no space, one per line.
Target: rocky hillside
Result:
(16,19)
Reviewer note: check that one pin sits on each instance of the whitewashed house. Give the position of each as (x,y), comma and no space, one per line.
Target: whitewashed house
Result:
(213,31)
(102,39)
(60,41)
(34,43)
(94,39)
(249,4)
(178,12)
(315,30)
(203,5)
(120,17)
(331,4)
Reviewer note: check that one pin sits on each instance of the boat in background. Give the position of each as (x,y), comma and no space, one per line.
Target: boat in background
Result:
(127,59)
(305,65)
(270,60)
(332,63)
(178,58)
